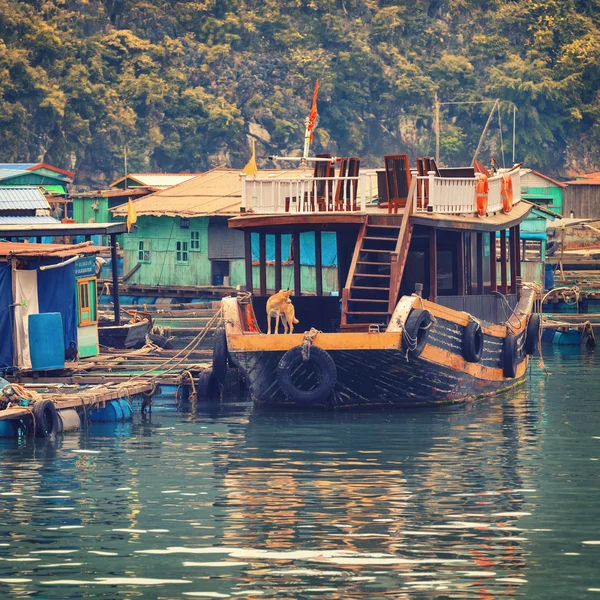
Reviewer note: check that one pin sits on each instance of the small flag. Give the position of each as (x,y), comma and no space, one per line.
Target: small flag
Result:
(251,168)
(312,116)
(131,215)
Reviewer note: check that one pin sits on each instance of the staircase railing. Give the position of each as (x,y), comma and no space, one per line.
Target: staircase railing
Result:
(351,270)
(399,255)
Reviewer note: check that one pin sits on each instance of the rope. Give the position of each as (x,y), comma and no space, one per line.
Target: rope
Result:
(307,342)
(193,396)
(15,392)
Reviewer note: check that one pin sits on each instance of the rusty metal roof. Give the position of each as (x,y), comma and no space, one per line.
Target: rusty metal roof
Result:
(22,198)
(26,250)
(215,193)
(156,180)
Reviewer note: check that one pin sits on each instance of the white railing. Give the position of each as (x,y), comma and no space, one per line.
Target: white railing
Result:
(308,194)
(276,195)
(457,195)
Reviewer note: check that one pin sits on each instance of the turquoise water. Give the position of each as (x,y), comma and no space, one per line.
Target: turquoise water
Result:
(486,500)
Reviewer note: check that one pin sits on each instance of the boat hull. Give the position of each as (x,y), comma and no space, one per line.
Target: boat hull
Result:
(391,377)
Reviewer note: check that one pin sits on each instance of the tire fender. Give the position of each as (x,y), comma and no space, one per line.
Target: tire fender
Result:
(46,418)
(219,361)
(289,363)
(416,331)
(509,357)
(207,388)
(532,335)
(472,342)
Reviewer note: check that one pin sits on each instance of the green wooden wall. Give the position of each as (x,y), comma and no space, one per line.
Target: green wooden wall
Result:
(84,213)
(553,194)
(161,234)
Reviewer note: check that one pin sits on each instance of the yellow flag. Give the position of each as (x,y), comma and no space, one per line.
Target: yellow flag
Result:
(251,168)
(131,215)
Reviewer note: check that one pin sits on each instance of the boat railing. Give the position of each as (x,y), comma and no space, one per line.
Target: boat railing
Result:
(458,195)
(308,194)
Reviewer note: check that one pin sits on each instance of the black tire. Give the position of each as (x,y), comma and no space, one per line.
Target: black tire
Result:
(207,388)
(532,335)
(416,331)
(472,342)
(161,341)
(326,373)
(219,362)
(46,418)
(509,359)
(233,384)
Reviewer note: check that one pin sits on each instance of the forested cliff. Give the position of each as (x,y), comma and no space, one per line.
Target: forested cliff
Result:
(184,83)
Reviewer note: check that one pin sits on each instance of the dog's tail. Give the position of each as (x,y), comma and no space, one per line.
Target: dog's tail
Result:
(296,321)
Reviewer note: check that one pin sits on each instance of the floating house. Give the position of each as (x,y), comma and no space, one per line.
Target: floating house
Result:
(52,179)
(24,205)
(182,238)
(542,190)
(42,279)
(583,197)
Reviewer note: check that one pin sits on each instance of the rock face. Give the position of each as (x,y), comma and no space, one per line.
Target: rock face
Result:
(259,132)
(182,89)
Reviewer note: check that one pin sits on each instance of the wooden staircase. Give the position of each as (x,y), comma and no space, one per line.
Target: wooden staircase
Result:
(374,277)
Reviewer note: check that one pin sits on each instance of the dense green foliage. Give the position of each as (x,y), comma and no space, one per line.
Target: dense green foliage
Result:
(183,83)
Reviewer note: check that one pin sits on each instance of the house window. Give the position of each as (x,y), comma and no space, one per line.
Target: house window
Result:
(182,252)
(144,251)
(195,240)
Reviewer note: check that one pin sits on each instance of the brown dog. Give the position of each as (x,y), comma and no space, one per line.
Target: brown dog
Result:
(288,318)
(274,304)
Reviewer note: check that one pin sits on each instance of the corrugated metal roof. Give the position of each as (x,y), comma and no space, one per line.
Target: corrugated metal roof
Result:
(157,180)
(6,173)
(22,198)
(17,166)
(24,249)
(215,193)
(26,220)
(587,181)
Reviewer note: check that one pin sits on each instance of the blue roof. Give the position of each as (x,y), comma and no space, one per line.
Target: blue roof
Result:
(17,166)
(27,220)
(22,198)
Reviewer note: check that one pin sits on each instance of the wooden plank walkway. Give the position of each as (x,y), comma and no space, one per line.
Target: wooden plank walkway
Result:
(86,397)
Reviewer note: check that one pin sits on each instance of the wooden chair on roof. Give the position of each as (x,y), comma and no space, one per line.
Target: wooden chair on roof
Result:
(347,189)
(321,192)
(397,179)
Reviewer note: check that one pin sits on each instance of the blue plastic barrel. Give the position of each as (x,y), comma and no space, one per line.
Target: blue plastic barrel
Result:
(46,341)
(8,429)
(111,413)
(126,408)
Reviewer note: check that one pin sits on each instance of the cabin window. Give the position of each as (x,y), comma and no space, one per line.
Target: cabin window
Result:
(144,251)
(195,240)
(182,253)
(86,302)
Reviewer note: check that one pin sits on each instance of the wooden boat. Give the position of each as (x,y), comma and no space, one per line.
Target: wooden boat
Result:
(126,335)
(429,311)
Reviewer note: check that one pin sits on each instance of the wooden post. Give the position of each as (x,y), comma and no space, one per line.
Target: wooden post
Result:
(518,237)
(38,239)
(461,264)
(468,265)
(248,253)
(296,251)
(514,252)
(433,265)
(479,263)
(318,263)
(277,262)
(493,264)
(503,276)
(115,277)
(262,266)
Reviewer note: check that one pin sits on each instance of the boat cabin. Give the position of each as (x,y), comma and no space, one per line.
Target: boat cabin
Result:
(400,230)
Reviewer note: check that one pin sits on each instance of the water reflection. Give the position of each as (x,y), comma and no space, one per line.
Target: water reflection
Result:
(227,501)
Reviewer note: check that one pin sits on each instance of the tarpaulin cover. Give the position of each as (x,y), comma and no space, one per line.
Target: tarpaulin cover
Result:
(307,248)
(26,303)
(6,329)
(56,293)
